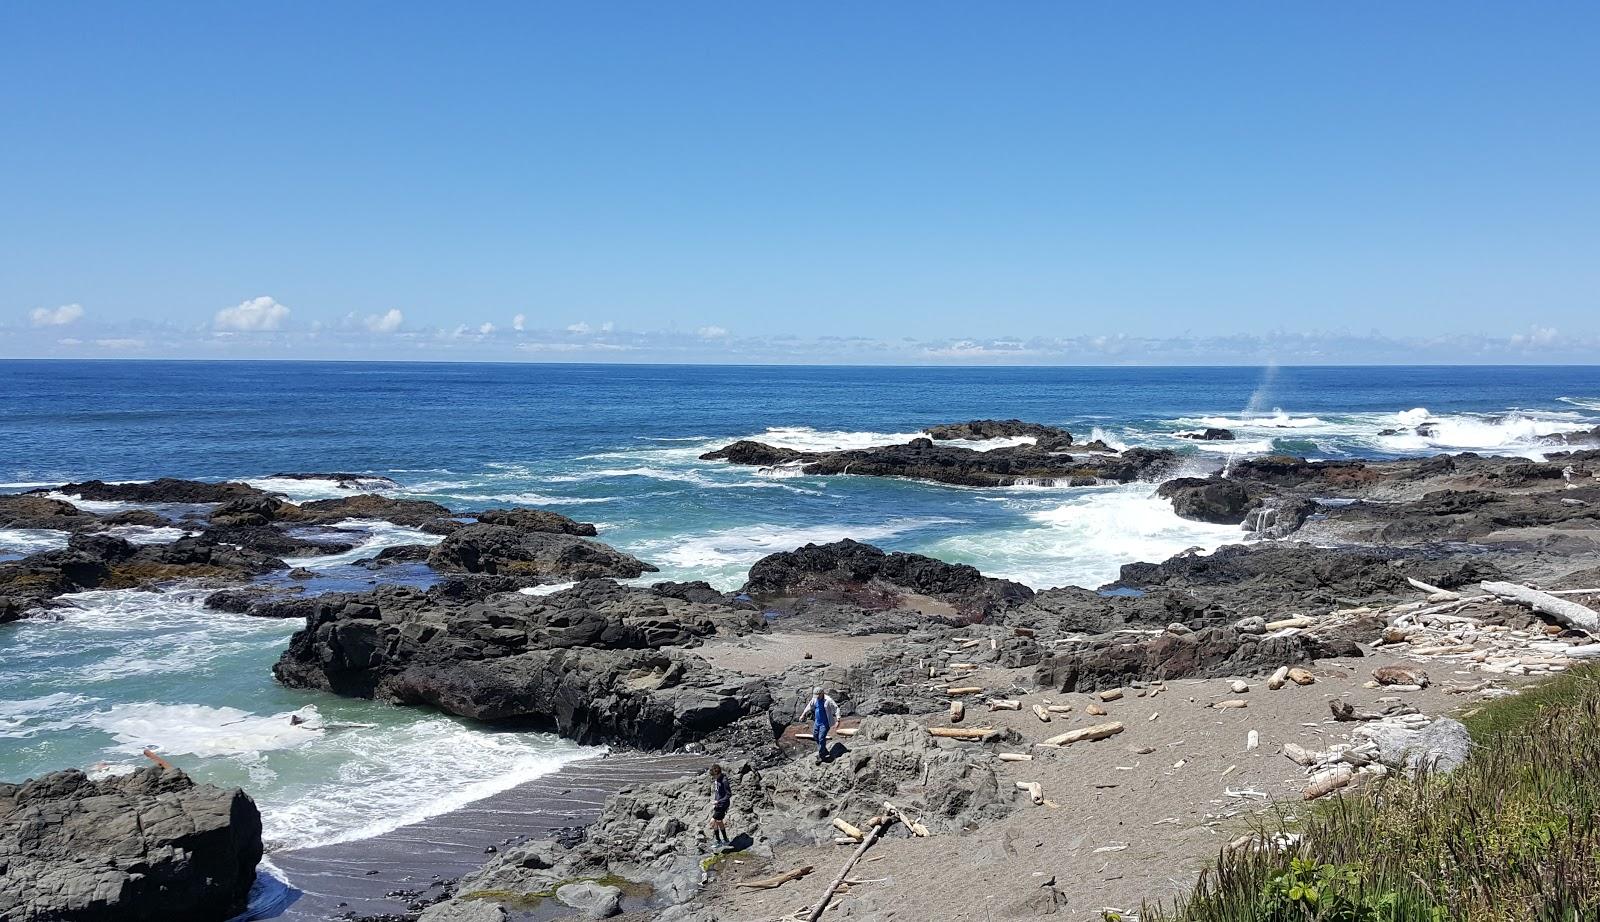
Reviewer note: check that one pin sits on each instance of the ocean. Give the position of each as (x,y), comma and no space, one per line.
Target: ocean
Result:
(616,445)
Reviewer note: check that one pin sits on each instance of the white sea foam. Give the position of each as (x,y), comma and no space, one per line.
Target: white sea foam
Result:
(1110,440)
(1278,420)
(26,541)
(1084,540)
(550,589)
(805,438)
(197,730)
(376,535)
(147,534)
(1588,403)
(100,506)
(405,774)
(28,717)
(721,557)
(301,490)
(1514,433)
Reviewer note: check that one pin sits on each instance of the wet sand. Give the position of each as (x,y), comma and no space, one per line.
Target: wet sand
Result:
(385,873)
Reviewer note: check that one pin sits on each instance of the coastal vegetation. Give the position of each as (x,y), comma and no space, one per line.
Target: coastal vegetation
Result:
(1514,834)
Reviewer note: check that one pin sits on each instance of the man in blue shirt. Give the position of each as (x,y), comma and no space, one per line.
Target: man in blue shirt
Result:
(824,714)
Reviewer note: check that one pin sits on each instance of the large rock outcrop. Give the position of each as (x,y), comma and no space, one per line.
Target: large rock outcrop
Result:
(538,555)
(940,462)
(92,561)
(867,578)
(30,510)
(1048,437)
(656,834)
(597,663)
(1116,661)
(1287,577)
(150,846)
(162,491)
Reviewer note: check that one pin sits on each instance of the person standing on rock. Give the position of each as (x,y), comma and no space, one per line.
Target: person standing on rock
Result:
(721,797)
(824,713)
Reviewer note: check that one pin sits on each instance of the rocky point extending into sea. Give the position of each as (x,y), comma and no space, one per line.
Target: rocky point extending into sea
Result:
(993,734)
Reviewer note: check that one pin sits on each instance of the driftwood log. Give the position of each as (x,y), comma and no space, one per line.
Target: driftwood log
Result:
(960,733)
(772,883)
(827,895)
(1566,611)
(1084,734)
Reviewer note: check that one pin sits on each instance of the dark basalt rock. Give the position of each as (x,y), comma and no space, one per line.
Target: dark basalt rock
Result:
(269,540)
(1289,471)
(91,561)
(868,578)
(1069,610)
(1459,515)
(344,480)
(147,846)
(536,520)
(30,510)
(598,662)
(1290,576)
(261,603)
(1223,502)
(1208,434)
(413,513)
(502,549)
(1049,437)
(697,591)
(1585,437)
(655,833)
(165,490)
(1114,661)
(923,459)
(745,451)
(398,554)
(147,518)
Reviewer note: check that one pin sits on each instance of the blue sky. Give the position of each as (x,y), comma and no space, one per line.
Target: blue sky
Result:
(919,182)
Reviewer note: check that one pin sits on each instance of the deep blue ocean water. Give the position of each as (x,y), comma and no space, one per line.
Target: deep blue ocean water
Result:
(616,445)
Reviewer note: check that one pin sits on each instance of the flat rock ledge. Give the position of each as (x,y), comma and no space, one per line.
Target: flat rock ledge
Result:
(150,845)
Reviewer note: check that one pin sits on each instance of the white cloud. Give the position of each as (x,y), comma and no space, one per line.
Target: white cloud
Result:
(1536,336)
(607,327)
(120,343)
(712,332)
(486,328)
(579,327)
(69,341)
(57,316)
(518,322)
(387,322)
(255,314)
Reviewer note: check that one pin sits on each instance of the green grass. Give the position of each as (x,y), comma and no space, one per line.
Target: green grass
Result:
(1512,835)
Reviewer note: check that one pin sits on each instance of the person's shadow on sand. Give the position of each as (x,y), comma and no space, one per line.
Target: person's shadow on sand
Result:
(740,842)
(835,750)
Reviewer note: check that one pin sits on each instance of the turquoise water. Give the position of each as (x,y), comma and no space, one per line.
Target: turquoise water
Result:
(617,446)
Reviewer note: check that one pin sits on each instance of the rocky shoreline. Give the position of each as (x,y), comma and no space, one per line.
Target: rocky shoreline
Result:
(941,671)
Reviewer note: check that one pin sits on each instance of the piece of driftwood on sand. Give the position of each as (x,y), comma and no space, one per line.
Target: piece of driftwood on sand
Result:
(1566,611)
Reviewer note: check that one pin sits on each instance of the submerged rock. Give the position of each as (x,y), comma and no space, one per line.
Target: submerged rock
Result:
(1208,434)
(142,847)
